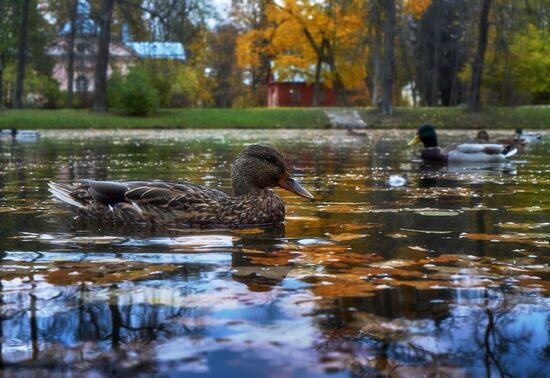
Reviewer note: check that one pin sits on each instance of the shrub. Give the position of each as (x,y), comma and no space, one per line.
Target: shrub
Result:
(115,85)
(134,94)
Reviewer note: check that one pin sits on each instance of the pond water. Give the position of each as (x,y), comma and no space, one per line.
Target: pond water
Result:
(398,268)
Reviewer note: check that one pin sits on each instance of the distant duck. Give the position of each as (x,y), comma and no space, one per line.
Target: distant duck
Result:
(22,135)
(257,168)
(527,137)
(357,131)
(459,153)
(484,138)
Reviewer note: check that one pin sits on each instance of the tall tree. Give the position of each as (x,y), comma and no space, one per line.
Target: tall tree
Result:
(477,68)
(442,50)
(250,17)
(2,63)
(71,53)
(389,56)
(376,29)
(222,63)
(105,20)
(21,55)
(304,36)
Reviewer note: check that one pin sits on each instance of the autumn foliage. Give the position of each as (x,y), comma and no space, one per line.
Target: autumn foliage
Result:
(322,41)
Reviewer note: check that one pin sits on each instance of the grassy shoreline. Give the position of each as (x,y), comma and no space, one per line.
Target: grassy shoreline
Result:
(528,117)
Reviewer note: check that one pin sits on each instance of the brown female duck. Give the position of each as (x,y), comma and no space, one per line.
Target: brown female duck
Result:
(256,169)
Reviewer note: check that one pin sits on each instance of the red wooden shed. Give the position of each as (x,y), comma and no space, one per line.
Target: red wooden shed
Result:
(296,92)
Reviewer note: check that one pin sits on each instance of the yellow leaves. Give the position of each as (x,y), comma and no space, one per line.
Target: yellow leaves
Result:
(300,32)
(249,49)
(416,7)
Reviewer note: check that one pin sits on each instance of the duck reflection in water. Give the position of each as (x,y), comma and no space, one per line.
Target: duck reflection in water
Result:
(434,174)
(258,276)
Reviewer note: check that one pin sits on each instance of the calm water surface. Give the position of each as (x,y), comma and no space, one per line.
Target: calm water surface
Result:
(446,275)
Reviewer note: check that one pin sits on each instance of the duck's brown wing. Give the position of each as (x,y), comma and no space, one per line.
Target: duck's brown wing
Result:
(93,195)
(148,192)
(170,194)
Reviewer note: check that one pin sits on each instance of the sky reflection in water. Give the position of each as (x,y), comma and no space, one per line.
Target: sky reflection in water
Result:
(445,274)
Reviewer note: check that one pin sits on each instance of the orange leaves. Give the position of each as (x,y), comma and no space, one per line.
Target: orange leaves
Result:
(538,240)
(416,7)
(249,48)
(102,272)
(298,34)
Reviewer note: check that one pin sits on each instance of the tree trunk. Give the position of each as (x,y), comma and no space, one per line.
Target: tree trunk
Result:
(316,83)
(339,88)
(477,69)
(389,56)
(434,98)
(70,55)
(1,80)
(106,16)
(325,53)
(375,94)
(21,55)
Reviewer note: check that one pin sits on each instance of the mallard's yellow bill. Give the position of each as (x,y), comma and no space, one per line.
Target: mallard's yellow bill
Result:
(289,184)
(414,140)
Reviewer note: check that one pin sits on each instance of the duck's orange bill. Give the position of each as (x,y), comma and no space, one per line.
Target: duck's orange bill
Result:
(289,184)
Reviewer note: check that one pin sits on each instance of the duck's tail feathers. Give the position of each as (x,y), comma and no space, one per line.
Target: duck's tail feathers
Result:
(63,194)
(509,150)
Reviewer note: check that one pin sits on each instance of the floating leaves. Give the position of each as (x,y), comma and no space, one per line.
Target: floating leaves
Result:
(528,238)
(523,226)
(74,272)
(346,236)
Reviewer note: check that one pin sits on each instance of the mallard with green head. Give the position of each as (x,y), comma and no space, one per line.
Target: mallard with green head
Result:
(459,153)
(527,136)
(257,168)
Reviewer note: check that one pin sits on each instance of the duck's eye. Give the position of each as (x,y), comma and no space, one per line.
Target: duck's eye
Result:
(270,159)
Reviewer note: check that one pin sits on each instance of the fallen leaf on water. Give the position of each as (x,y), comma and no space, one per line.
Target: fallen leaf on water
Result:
(248,231)
(397,236)
(344,208)
(302,218)
(273,259)
(343,285)
(438,213)
(353,226)
(443,259)
(347,236)
(514,238)
(522,226)
(96,271)
(418,248)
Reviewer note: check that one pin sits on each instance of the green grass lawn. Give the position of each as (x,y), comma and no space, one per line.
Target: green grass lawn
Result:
(491,118)
(527,117)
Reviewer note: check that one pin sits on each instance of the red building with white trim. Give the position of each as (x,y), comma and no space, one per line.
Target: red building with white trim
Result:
(296,92)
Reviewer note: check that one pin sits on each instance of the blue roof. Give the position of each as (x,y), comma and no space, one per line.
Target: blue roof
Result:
(84,23)
(158,50)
